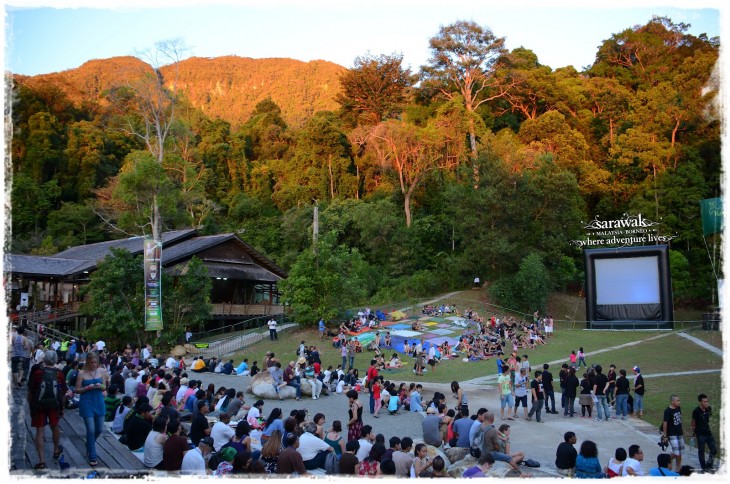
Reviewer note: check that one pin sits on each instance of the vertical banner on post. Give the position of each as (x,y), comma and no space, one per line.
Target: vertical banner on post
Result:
(152,285)
(711,210)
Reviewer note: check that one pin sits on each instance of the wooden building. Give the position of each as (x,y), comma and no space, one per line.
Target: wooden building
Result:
(244,281)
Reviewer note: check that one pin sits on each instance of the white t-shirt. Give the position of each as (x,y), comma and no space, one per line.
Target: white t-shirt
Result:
(253,416)
(340,386)
(521,385)
(364,449)
(193,463)
(634,464)
(221,434)
(272,324)
(616,467)
(310,445)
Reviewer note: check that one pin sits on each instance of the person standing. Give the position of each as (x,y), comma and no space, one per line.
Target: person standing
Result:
(581,357)
(47,411)
(547,385)
(506,397)
(321,329)
(521,383)
(22,347)
(570,387)
(701,430)
(272,329)
(538,397)
(672,430)
(90,385)
(638,393)
(354,424)
(350,354)
(372,376)
(611,375)
(622,395)
(600,385)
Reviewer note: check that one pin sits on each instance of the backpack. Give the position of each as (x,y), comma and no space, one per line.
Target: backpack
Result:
(475,449)
(47,396)
(331,464)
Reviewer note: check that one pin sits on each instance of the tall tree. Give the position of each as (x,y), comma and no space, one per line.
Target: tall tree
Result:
(375,89)
(410,151)
(149,112)
(463,60)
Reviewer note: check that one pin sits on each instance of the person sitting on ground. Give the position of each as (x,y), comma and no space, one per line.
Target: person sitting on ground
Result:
(492,443)
(616,463)
(174,449)
(439,467)
(485,462)
(664,467)
(566,455)
(586,464)
(313,449)
(349,463)
(194,462)
(138,426)
(198,365)
(290,460)
(154,444)
(199,426)
(242,369)
(227,368)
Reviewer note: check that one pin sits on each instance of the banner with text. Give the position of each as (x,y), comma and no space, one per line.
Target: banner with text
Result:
(711,210)
(627,231)
(152,285)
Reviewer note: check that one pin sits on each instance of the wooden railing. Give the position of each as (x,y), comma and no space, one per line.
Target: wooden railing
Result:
(246,309)
(33,317)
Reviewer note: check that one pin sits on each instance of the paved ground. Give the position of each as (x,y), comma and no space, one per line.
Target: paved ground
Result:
(539,439)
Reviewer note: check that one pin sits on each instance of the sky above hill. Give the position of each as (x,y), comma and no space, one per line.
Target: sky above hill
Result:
(50,36)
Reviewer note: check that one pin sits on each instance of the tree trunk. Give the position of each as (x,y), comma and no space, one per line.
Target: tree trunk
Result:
(473,145)
(332,179)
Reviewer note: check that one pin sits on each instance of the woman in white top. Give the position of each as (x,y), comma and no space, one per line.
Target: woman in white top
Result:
(153,446)
(615,465)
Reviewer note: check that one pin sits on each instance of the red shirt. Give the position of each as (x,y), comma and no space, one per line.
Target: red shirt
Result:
(317,368)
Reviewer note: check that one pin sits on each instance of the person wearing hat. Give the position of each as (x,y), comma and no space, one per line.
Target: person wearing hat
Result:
(227,455)
(430,426)
(638,393)
(193,462)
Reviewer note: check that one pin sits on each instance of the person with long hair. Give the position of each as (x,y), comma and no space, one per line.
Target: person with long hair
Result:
(242,463)
(370,466)
(460,396)
(270,452)
(421,463)
(319,419)
(90,385)
(273,423)
(587,465)
(354,424)
(585,399)
(334,438)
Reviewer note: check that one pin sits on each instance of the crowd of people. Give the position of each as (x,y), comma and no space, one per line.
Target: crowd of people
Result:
(158,408)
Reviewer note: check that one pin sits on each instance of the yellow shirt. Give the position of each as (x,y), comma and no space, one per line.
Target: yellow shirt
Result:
(198,365)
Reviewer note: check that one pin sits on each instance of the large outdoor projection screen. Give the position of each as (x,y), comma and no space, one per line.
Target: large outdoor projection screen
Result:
(628,288)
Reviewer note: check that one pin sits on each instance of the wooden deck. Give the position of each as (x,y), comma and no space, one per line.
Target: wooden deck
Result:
(115,460)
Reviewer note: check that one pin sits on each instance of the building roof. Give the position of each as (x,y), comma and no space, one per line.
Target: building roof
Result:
(178,246)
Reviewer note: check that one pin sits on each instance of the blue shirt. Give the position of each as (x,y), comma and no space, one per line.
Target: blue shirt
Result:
(191,404)
(277,424)
(654,471)
(416,402)
(463,427)
(242,367)
(321,325)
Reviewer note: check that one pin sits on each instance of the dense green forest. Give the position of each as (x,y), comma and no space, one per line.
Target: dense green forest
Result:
(482,163)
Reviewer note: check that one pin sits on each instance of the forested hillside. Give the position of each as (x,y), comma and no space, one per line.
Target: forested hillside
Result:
(483,162)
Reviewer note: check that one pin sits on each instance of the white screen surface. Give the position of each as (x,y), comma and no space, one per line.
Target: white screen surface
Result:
(632,280)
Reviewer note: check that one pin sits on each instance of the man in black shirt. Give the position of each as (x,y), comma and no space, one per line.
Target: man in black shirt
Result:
(638,392)
(566,455)
(600,385)
(199,427)
(672,430)
(547,385)
(138,427)
(701,430)
(538,397)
